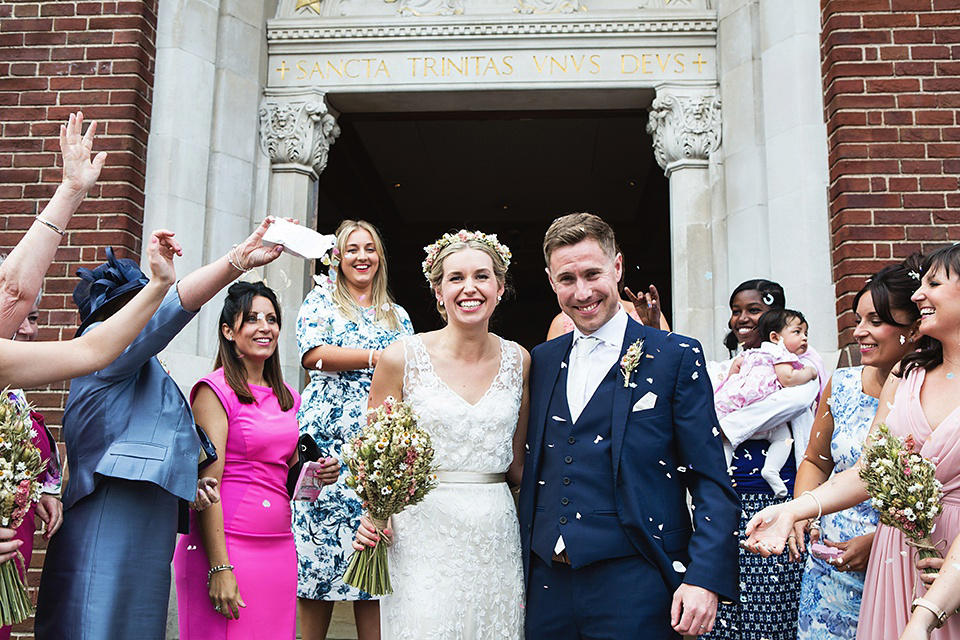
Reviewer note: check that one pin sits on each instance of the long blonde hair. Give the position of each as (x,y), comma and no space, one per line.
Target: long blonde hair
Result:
(383,303)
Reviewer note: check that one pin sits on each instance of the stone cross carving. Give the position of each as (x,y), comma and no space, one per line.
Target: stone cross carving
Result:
(296,133)
(685,129)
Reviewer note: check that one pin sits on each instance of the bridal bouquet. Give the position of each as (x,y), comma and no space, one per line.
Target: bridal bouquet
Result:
(20,466)
(391,467)
(903,489)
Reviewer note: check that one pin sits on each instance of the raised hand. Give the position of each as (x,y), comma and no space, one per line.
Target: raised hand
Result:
(80,171)
(161,248)
(647,305)
(252,253)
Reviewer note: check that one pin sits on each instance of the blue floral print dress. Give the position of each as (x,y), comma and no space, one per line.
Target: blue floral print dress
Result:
(333,409)
(830,599)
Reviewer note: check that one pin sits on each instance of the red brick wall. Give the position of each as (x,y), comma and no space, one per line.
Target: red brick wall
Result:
(57,57)
(891,76)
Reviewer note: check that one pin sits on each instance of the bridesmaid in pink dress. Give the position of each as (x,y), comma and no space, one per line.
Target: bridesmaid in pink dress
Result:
(236,571)
(923,402)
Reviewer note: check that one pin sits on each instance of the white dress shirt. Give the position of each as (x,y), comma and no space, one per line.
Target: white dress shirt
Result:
(591,358)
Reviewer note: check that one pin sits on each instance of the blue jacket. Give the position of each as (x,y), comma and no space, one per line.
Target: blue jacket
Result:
(129,420)
(658,454)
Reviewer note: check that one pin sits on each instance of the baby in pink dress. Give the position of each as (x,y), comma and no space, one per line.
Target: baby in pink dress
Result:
(759,372)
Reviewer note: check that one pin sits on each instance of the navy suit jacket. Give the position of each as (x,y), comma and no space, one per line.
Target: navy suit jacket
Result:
(129,420)
(658,455)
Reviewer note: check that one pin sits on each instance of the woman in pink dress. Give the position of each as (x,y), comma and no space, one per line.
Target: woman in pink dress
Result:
(922,399)
(236,571)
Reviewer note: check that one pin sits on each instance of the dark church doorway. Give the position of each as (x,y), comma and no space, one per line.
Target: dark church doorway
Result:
(418,175)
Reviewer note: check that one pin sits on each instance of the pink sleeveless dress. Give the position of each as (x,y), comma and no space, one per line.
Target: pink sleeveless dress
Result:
(892,582)
(256,522)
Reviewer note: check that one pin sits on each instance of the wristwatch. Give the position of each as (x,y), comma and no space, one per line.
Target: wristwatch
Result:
(939,614)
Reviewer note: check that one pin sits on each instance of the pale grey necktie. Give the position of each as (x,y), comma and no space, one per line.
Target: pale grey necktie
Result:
(580,374)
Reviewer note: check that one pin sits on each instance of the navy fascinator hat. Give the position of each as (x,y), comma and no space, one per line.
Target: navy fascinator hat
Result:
(107,282)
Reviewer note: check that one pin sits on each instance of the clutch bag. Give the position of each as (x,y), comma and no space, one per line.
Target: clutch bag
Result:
(307,451)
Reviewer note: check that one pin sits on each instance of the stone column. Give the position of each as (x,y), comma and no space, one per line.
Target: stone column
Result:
(296,132)
(685,125)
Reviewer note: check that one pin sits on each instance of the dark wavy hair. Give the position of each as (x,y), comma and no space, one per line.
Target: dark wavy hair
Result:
(776,320)
(929,353)
(891,289)
(771,294)
(239,300)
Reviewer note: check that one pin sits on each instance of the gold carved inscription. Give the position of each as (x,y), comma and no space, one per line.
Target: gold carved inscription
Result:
(552,63)
(342,68)
(460,66)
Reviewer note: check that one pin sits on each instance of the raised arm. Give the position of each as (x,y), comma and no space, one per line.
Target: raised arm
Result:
(31,364)
(21,274)
(201,285)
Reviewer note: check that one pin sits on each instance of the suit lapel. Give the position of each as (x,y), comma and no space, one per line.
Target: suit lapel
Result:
(623,395)
(549,369)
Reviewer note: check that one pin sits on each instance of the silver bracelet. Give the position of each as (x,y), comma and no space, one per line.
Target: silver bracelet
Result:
(50,225)
(370,359)
(217,569)
(235,263)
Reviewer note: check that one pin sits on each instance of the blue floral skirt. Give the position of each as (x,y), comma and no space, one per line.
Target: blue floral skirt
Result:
(769,590)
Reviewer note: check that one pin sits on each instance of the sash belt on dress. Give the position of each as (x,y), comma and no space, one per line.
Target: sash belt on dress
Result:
(470,477)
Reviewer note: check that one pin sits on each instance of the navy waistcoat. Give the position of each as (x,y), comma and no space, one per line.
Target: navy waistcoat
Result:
(576,495)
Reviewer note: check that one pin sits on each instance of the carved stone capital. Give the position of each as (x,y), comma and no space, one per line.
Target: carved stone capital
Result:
(685,129)
(296,133)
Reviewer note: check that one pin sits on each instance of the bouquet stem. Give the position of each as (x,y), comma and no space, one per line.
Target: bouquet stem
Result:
(368,569)
(15,604)
(925,549)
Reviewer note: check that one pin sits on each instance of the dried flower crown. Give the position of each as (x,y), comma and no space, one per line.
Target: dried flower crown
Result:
(489,239)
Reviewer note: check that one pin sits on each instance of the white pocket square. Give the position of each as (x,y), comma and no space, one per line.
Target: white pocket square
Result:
(648,401)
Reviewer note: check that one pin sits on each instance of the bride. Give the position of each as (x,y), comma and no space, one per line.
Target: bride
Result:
(455,558)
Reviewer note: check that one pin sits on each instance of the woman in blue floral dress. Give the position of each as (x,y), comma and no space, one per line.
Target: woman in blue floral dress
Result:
(344,324)
(886,329)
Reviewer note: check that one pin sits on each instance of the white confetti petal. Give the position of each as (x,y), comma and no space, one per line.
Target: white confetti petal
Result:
(716,431)
(682,469)
(558,419)
(266,503)
(708,275)
(649,380)
(563,365)
(684,344)
(578,515)
(597,439)
(678,567)
(662,463)
(541,482)
(695,375)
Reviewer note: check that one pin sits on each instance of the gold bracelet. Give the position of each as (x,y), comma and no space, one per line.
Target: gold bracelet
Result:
(50,225)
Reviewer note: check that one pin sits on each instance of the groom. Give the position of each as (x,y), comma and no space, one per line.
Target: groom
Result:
(621,427)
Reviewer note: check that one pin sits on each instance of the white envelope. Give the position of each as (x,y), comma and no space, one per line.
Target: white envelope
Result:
(297,240)
(648,401)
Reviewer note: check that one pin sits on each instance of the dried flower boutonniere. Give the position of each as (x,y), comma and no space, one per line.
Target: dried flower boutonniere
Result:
(631,360)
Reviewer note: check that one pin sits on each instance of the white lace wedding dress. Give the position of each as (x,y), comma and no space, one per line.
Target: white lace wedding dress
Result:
(455,562)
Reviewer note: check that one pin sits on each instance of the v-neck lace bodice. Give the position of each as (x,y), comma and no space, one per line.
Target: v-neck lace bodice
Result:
(466,437)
